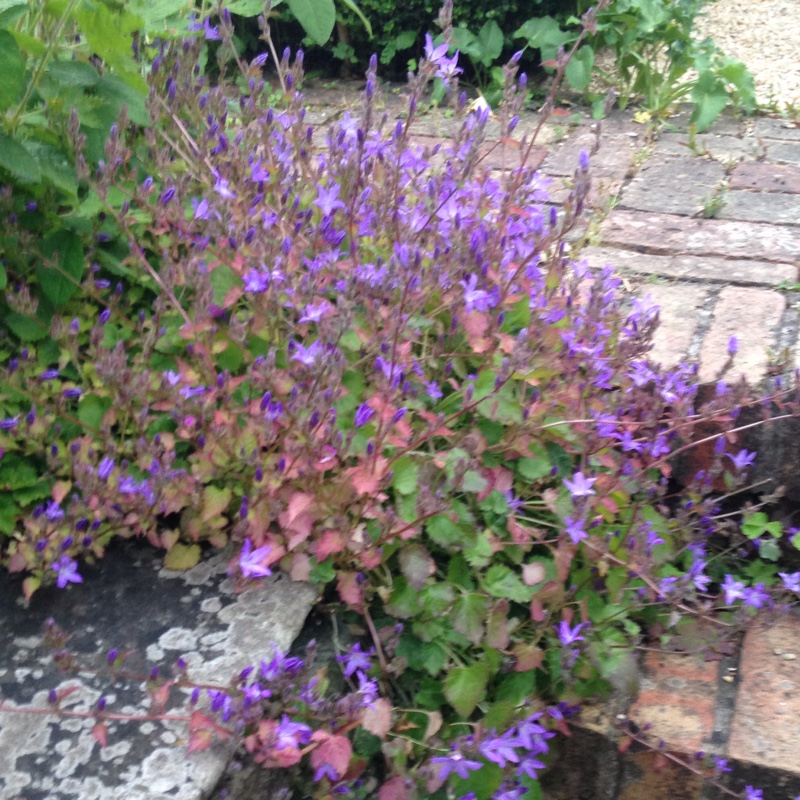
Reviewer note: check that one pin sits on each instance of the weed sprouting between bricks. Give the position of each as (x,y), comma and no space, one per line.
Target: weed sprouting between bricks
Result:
(374,367)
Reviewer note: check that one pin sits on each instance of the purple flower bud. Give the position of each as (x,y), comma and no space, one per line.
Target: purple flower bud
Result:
(52,697)
(105,316)
(733,346)
(166,196)
(112,655)
(259,475)
(31,205)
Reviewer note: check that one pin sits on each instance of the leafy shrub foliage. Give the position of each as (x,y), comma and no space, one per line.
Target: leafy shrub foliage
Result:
(376,368)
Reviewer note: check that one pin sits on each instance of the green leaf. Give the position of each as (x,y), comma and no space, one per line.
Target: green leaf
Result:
(490,41)
(710,97)
(316,16)
(9,512)
(755,525)
(353,6)
(11,11)
(29,44)
(517,687)
(579,69)
(416,564)
(92,409)
(15,159)
(545,34)
(28,329)
(465,687)
(73,73)
(182,557)
(222,278)
(406,474)
(483,783)
(444,532)
(117,92)
(247,8)
(59,283)
(3,278)
(469,613)
(156,11)
(405,40)
(404,602)
(17,473)
(55,166)
(769,550)
(500,581)
(533,469)
(12,70)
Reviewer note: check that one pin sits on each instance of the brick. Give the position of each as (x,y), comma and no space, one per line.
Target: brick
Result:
(752,315)
(777,129)
(680,306)
(665,234)
(708,269)
(784,152)
(766,722)
(779,209)
(614,159)
(677,697)
(759,176)
(681,185)
(720,148)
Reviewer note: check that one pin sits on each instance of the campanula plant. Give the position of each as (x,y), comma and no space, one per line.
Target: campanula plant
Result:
(376,368)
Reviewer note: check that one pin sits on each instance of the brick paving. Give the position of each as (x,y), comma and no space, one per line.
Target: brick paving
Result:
(709,227)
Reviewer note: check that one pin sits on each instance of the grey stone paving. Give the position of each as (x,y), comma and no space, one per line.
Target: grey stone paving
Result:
(129,602)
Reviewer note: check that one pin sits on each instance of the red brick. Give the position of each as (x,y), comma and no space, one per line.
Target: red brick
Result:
(762,177)
(766,723)
(752,316)
(678,698)
(668,234)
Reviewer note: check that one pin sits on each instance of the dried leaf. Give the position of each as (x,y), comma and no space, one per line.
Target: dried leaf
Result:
(334,749)
(200,740)
(350,590)
(393,789)
(417,565)
(377,719)
(434,724)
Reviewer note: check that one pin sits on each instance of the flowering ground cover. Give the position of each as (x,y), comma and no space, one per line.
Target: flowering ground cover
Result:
(382,374)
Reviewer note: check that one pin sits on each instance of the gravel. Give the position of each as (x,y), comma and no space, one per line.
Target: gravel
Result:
(765,34)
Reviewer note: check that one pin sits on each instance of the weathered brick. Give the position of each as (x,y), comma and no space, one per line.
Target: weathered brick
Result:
(784,152)
(681,185)
(678,697)
(666,233)
(779,209)
(752,316)
(708,268)
(680,306)
(766,722)
(762,177)
(720,148)
(776,129)
(613,160)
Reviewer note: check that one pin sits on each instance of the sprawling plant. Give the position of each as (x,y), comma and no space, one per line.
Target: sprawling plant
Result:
(375,367)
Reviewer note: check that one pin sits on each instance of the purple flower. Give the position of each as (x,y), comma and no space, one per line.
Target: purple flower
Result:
(105,468)
(574,529)
(474,298)
(434,54)
(757,597)
(67,571)
(580,486)
(315,313)
(742,459)
(53,512)
(734,590)
(189,392)
(49,375)
(753,794)
(500,751)
(9,422)
(356,660)
(326,770)
(307,355)
(250,561)
(172,378)
(256,281)
(259,61)
(221,187)
(791,581)
(328,199)
(363,415)
(72,393)
(434,392)
(733,346)
(291,734)
(567,635)
(455,763)
(201,208)
(166,196)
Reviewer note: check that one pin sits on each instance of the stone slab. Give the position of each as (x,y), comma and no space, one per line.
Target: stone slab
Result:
(777,129)
(759,176)
(680,306)
(766,722)
(784,152)
(680,185)
(726,124)
(614,159)
(504,155)
(692,268)
(128,601)
(779,209)
(666,233)
(752,316)
(724,149)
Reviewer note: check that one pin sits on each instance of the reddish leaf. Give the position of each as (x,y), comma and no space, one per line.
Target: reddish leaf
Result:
(497,626)
(330,542)
(100,733)
(200,740)
(333,749)
(350,590)
(377,719)
(159,697)
(198,721)
(537,610)
(299,503)
(528,657)
(301,567)
(624,744)
(393,789)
